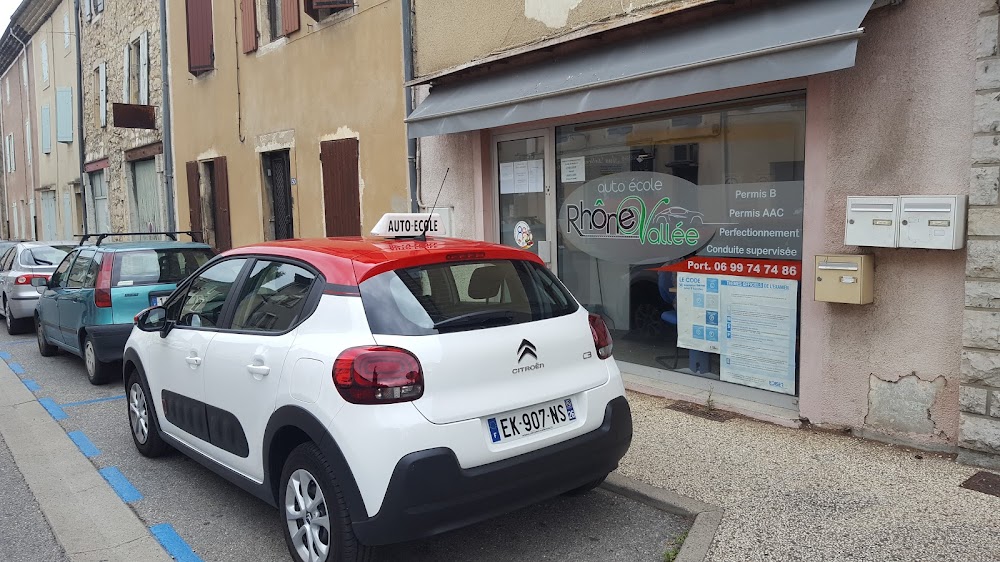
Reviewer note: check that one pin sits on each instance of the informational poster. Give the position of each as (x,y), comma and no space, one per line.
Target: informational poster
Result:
(506,178)
(520,177)
(573,169)
(536,176)
(698,302)
(758,332)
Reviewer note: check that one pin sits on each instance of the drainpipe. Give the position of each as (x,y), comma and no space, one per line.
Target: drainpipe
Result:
(411,144)
(79,113)
(168,151)
(28,177)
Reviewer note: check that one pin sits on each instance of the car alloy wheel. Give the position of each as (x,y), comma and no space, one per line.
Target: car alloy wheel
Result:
(7,316)
(307,516)
(138,414)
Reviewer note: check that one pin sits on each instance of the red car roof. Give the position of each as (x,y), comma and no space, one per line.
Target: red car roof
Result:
(349,261)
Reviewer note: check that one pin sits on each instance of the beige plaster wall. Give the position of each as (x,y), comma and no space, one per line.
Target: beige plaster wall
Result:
(338,78)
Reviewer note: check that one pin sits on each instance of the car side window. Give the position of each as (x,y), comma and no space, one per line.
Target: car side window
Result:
(273,297)
(8,259)
(78,274)
(59,277)
(90,278)
(206,295)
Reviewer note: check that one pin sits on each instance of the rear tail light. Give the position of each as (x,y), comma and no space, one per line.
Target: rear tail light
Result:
(102,288)
(26,279)
(378,375)
(602,336)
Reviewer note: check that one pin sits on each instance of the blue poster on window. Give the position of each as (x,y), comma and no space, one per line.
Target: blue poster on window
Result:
(698,312)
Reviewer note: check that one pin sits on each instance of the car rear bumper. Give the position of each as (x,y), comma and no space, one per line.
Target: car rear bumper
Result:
(23,306)
(109,341)
(430,493)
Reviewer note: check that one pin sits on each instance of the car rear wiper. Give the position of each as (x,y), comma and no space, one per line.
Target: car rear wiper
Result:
(479,318)
(37,260)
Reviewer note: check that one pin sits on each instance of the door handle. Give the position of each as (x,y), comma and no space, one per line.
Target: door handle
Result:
(258,370)
(195,361)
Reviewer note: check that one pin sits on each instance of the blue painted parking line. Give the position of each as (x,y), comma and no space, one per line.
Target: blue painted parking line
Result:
(20,342)
(53,409)
(32,385)
(125,490)
(4,355)
(94,401)
(173,543)
(16,367)
(86,446)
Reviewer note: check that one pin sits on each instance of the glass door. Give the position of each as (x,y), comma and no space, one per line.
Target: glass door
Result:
(524,179)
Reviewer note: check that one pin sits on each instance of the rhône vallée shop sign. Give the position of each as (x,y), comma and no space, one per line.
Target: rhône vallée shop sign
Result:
(638,218)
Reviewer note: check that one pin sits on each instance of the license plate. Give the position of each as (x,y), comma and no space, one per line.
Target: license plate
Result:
(519,424)
(158,301)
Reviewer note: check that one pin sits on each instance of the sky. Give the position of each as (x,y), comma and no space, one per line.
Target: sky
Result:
(6,8)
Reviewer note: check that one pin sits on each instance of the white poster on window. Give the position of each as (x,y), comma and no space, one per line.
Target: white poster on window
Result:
(521,177)
(697,307)
(536,176)
(759,332)
(573,169)
(506,178)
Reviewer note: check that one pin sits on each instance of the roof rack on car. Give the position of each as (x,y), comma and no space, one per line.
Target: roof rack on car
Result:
(195,235)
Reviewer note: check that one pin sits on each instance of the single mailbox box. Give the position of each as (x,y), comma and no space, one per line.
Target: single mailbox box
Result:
(936,223)
(872,221)
(845,278)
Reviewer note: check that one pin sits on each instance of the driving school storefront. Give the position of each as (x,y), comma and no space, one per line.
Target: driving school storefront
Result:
(682,178)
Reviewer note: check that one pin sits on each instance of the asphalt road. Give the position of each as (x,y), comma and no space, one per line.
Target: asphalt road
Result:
(220,522)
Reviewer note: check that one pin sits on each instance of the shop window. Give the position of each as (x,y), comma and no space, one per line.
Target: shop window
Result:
(684,231)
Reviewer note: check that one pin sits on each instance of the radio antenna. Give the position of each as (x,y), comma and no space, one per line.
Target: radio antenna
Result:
(427,225)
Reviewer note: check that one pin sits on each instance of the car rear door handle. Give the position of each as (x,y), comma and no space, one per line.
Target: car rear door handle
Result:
(195,361)
(258,370)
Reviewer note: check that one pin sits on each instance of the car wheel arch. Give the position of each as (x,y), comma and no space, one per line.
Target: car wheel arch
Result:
(289,427)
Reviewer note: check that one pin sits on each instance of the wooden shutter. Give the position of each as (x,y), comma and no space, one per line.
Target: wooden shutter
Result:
(289,16)
(220,187)
(144,68)
(46,132)
(127,74)
(194,198)
(341,189)
(249,22)
(199,34)
(102,78)
(64,114)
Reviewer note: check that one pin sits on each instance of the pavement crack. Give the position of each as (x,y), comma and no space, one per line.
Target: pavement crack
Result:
(119,545)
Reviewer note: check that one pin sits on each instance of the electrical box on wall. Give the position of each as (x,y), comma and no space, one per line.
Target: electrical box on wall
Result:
(936,223)
(845,278)
(872,221)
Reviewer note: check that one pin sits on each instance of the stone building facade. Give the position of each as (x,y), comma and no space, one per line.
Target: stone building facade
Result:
(122,117)
(979,428)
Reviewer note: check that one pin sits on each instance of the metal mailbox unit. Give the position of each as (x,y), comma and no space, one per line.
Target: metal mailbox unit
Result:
(845,278)
(936,223)
(872,221)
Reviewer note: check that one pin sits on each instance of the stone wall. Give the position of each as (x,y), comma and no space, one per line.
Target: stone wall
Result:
(103,39)
(979,395)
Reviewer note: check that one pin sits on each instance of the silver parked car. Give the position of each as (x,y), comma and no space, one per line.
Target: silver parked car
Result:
(18,266)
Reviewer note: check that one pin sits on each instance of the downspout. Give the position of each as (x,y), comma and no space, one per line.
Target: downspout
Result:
(411,144)
(79,114)
(28,170)
(168,151)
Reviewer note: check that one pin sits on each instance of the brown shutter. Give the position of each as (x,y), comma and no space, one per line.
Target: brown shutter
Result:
(194,198)
(223,232)
(199,30)
(249,25)
(289,16)
(312,7)
(341,192)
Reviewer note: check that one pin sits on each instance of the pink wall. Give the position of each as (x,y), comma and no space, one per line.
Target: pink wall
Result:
(898,123)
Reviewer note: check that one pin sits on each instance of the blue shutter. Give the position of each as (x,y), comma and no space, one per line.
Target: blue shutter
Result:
(64,115)
(46,130)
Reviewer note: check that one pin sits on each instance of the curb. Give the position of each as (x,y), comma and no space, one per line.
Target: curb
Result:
(706,517)
(87,518)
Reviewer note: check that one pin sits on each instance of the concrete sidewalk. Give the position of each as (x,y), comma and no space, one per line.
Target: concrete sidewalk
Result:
(798,494)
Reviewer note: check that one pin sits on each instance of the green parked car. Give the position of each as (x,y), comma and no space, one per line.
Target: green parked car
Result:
(88,306)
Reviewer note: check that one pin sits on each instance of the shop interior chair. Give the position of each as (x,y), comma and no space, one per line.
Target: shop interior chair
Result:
(665,282)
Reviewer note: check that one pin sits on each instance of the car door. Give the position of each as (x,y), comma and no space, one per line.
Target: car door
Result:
(48,305)
(5,269)
(176,364)
(72,300)
(248,359)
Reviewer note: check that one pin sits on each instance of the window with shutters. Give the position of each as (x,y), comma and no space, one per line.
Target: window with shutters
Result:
(322,9)
(45,62)
(280,17)
(64,114)
(201,46)
(208,201)
(46,132)
(133,72)
(66,31)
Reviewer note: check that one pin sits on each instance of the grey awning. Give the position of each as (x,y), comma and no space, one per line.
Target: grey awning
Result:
(796,39)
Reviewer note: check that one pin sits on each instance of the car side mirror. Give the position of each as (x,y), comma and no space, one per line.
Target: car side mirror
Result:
(40,284)
(152,319)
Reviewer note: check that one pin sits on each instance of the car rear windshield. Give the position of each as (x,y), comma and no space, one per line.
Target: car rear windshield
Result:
(40,256)
(462,296)
(157,267)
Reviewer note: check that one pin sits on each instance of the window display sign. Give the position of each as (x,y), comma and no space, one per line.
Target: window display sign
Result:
(770,269)
(758,332)
(698,301)
(648,217)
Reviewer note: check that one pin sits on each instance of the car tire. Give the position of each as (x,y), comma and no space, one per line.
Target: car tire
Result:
(45,349)
(307,475)
(14,326)
(98,372)
(142,418)
(587,487)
